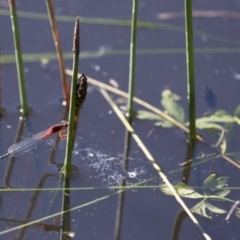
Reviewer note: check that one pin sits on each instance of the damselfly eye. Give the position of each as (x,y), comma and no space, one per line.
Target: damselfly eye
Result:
(64,123)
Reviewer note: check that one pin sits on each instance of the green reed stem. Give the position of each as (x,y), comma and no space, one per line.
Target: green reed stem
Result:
(190,69)
(71,117)
(18,55)
(132,60)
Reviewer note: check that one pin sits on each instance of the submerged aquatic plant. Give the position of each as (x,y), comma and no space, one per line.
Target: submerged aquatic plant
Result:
(218,122)
(212,190)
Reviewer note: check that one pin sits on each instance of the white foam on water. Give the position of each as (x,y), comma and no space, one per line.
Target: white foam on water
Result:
(108,168)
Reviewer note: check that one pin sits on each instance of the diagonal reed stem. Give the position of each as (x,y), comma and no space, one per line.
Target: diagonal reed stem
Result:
(155,164)
(65,86)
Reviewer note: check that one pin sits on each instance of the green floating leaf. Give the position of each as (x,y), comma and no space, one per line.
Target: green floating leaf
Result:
(203,124)
(222,116)
(182,190)
(229,126)
(158,124)
(201,208)
(212,185)
(210,181)
(223,193)
(164,124)
(237,111)
(170,102)
(214,209)
(146,115)
(219,116)
(165,189)
(188,193)
(223,146)
(141,114)
(222,181)
(211,122)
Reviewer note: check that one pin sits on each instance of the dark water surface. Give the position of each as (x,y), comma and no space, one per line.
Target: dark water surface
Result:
(147,212)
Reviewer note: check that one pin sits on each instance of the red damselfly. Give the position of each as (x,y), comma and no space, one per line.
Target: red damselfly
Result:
(61,128)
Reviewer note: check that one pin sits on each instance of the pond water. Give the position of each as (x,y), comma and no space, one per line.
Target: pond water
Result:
(29,181)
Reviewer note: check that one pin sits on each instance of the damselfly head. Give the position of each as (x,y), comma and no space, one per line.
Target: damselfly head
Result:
(64,124)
